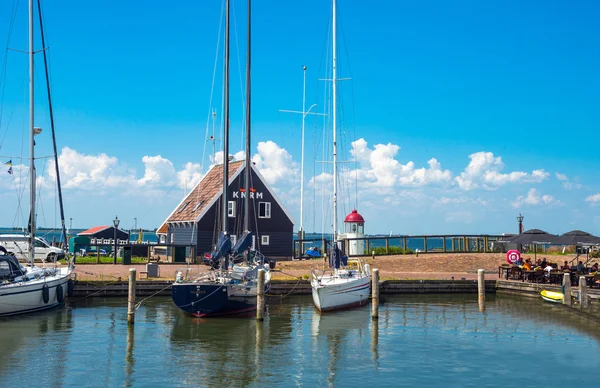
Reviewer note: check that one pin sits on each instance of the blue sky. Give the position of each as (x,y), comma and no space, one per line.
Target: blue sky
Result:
(502,94)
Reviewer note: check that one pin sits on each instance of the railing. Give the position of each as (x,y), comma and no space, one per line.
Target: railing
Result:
(407,244)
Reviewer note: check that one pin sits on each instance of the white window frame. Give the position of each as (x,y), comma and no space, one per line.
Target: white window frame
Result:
(264,240)
(267,210)
(231,209)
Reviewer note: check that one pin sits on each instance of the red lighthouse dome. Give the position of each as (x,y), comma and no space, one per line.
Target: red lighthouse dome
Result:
(354,217)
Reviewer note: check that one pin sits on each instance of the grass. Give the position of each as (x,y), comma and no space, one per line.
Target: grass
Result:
(106,260)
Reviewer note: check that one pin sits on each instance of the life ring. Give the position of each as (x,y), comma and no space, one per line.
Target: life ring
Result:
(46,293)
(70,287)
(60,296)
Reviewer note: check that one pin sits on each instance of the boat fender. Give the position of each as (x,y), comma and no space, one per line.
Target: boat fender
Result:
(367,269)
(60,296)
(70,287)
(46,293)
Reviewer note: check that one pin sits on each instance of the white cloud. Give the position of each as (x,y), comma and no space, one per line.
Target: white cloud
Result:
(379,168)
(158,171)
(593,198)
(484,170)
(275,163)
(445,201)
(561,177)
(534,198)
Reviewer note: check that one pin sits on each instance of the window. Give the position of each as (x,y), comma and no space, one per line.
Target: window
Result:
(198,205)
(264,240)
(231,209)
(182,207)
(264,210)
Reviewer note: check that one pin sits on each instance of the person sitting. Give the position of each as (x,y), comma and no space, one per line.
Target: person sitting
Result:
(544,263)
(594,269)
(580,267)
(566,267)
(527,265)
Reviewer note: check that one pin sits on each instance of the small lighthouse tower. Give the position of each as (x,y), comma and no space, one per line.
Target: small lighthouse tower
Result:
(354,227)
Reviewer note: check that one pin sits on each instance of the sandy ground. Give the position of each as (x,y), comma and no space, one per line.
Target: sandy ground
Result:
(424,266)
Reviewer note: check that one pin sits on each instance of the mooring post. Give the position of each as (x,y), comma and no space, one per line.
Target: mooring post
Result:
(131,297)
(583,297)
(567,290)
(481,288)
(260,295)
(375,294)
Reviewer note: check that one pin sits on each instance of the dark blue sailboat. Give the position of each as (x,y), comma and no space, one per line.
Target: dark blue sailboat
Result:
(231,286)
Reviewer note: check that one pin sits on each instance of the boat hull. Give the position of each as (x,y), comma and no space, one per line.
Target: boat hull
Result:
(27,297)
(550,296)
(213,299)
(341,294)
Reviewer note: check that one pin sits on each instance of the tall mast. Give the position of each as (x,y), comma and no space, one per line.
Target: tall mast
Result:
(248,161)
(225,217)
(60,199)
(31,143)
(334,96)
(302,163)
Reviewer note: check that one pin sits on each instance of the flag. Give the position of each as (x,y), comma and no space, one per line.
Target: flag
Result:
(10,170)
(9,163)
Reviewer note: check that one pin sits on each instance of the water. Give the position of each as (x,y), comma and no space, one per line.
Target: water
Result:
(419,340)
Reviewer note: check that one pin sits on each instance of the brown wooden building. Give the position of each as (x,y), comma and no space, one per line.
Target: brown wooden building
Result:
(197,219)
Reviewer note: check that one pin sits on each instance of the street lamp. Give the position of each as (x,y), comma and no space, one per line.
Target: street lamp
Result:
(116,224)
(520,219)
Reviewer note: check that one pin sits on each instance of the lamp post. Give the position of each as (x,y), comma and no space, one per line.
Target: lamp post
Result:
(304,113)
(520,219)
(116,224)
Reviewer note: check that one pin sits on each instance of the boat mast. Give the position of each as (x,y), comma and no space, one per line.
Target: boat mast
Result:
(334,96)
(31,143)
(60,198)
(225,217)
(248,161)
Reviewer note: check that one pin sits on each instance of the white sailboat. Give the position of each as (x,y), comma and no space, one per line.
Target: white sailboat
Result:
(346,284)
(25,289)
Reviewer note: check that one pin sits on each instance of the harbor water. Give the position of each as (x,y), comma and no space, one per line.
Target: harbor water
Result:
(418,341)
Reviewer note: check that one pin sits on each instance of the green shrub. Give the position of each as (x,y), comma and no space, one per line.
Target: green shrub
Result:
(392,251)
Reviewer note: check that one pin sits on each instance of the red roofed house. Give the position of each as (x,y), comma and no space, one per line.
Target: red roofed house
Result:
(105,232)
(196,220)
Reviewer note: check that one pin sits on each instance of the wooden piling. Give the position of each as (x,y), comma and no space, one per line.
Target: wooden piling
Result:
(425,243)
(260,295)
(481,288)
(387,246)
(452,244)
(404,242)
(567,300)
(375,294)
(131,297)
(583,296)
(445,249)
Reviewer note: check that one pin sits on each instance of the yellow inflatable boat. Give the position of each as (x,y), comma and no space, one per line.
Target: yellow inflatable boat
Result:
(551,296)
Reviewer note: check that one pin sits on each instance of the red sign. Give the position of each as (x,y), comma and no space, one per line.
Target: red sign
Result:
(513,256)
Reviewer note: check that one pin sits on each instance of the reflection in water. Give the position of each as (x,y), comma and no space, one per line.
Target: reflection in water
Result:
(428,340)
(129,359)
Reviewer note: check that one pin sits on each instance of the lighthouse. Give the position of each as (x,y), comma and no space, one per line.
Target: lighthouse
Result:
(354,227)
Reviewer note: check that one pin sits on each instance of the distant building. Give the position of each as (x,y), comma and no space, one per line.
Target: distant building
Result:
(105,233)
(197,219)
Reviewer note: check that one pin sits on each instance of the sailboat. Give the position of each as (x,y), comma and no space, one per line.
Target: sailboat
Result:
(232,287)
(347,284)
(26,289)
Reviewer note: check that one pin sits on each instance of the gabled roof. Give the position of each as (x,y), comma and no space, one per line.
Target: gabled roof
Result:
(208,191)
(202,195)
(93,230)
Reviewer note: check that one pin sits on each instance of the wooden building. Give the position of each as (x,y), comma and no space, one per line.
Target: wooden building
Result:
(197,219)
(101,233)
